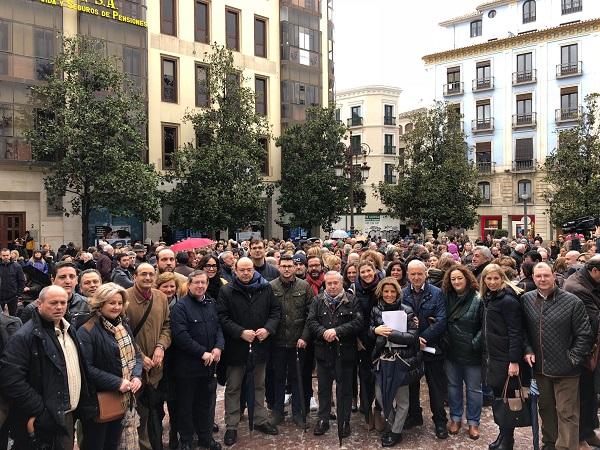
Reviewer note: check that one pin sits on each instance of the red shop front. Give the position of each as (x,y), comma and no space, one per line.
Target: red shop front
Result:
(489,224)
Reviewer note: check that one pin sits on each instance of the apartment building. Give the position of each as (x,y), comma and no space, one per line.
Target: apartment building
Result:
(518,73)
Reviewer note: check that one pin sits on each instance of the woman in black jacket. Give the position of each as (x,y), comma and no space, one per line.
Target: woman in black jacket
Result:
(397,356)
(113,359)
(212,266)
(503,339)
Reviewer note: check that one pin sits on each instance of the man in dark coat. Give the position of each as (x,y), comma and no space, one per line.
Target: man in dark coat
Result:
(585,284)
(45,377)
(481,258)
(121,274)
(335,321)
(12,282)
(429,306)
(249,314)
(197,343)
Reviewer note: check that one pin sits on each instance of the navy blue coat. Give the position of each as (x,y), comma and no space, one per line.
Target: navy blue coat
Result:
(431,313)
(195,330)
(101,353)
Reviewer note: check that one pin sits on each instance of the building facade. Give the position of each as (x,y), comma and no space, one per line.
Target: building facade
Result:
(371,114)
(283,48)
(518,73)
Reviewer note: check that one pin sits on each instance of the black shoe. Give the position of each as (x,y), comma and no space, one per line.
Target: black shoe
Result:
(300,422)
(267,428)
(441,432)
(321,428)
(173,440)
(215,428)
(391,439)
(230,437)
(507,443)
(276,418)
(210,444)
(494,445)
(412,422)
(345,430)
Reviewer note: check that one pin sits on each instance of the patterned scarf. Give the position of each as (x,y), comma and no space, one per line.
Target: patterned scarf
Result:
(333,302)
(126,348)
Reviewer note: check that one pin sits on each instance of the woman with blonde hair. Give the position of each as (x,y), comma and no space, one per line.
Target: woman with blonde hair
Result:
(168,283)
(113,360)
(503,338)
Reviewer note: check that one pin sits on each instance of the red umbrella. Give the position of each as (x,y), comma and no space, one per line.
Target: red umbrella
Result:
(191,243)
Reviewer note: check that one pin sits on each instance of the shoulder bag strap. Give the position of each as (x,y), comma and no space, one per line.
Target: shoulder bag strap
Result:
(144,317)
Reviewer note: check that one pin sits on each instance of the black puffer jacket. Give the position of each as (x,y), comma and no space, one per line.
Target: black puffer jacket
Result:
(502,334)
(101,352)
(348,323)
(409,361)
(559,332)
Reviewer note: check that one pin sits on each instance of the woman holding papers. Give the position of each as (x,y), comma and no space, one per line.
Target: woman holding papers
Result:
(463,352)
(396,354)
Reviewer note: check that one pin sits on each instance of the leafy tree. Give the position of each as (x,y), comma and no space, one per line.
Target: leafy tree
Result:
(88,122)
(219,177)
(573,169)
(311,195)
(437,183)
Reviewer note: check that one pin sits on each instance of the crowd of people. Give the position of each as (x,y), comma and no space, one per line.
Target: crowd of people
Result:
(99,344)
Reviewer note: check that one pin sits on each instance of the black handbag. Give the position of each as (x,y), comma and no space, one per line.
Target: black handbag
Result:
(512,412)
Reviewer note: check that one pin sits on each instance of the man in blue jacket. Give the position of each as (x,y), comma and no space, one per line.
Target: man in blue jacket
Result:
(428,305)
(197,345)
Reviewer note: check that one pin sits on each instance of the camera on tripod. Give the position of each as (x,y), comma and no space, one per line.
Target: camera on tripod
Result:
(581,225)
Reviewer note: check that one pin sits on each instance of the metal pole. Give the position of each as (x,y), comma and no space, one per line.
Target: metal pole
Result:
(525,218)
(351,193)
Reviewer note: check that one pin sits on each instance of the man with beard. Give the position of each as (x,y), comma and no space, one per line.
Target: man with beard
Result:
(300,264)
(12,281)
(165,262)
(121,274)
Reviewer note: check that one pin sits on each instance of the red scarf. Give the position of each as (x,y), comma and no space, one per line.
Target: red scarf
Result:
(316,284)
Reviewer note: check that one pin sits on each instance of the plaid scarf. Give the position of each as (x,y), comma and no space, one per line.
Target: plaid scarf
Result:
(126,348)
(333,302)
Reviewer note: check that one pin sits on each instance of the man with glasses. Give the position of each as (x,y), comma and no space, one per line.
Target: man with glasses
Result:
(249,314)
(257,253)
(295,297)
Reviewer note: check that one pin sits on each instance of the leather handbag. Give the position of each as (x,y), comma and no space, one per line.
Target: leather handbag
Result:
(110,406)
(591,361)
(512,412)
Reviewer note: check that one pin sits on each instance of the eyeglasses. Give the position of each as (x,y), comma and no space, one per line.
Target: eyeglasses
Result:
(210,266)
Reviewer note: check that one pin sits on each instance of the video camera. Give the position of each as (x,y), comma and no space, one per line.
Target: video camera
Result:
(582,224)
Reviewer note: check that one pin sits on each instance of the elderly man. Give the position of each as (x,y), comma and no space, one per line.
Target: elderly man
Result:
(518,253)
(45,378)
(335,321)
(12,282)
(585,284)
(560,338)
(249,314)
(148,313)
(481,258)
(573,263)
(227,263)
(104,262)
(429,307)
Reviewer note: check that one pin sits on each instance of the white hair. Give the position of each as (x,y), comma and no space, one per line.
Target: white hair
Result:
(335,273)
(416,263)
(107,248)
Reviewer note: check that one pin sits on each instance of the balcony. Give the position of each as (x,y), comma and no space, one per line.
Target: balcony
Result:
(528,120)
(455,88)
(569,69)
(524,77)
(484,167)
(483,84)
(389,120)
(571,7)
(482,125)
(389,149)
(568,114)
(355,121)
(526,165)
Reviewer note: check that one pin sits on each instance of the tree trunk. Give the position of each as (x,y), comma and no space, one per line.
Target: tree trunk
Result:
(85,220)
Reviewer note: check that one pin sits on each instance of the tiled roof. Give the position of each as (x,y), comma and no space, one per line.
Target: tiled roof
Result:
(462,18)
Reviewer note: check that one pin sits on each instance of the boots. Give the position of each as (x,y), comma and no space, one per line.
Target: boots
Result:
(507,443)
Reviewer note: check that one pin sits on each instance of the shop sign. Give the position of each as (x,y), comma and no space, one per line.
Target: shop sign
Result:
(100,8)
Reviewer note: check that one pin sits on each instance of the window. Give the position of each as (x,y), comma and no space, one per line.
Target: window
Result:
(169,80)
(571,6)
(260,89)
(524,67)
(485,192)
(569,102)
(483,71)
(524,154)
(453,80)
(132,64)
(6,120)
(355,144)
(232,30)
(529,11)
(388,174)
(201,85)
(43,42)
(568,59)
(524,108)
(492,14)
(264,143)
(260,37)
(524,188)
(168,22)
(5,34)
(483,157)
(388,115)
(355,111)
(169,145)
(408,127)
(476,29)
(388,144)
(483,113)
(201,22)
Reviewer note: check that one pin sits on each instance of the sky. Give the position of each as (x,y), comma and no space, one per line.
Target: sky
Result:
(383,41)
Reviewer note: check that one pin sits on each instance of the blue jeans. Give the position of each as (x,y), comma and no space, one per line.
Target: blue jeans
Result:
(284,371)
(470,376)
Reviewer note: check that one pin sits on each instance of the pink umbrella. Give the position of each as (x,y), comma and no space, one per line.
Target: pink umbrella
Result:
(191,243)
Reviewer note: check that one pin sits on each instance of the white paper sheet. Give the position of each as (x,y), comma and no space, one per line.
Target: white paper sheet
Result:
(396,320)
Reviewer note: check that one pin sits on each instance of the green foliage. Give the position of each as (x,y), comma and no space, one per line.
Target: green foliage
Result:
(499,234)
(573,169)
(437,183)
(219,177)
(311,194)
(90,121)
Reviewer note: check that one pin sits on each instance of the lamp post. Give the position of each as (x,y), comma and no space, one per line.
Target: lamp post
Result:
(525,196)
(349,170)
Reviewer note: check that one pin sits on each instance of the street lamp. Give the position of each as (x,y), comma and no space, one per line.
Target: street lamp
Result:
(525,196)
(349,170)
